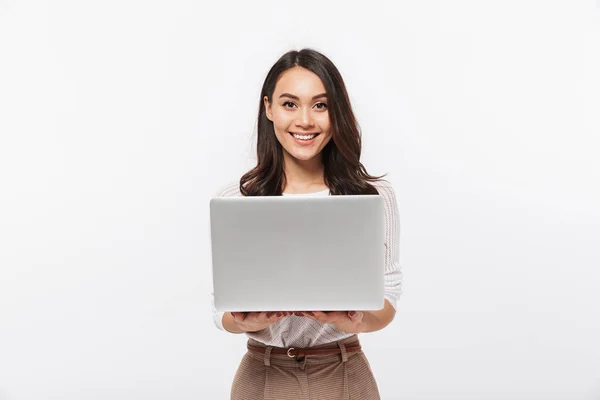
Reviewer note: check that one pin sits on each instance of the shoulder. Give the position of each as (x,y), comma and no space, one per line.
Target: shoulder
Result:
(385,189)
(231,189)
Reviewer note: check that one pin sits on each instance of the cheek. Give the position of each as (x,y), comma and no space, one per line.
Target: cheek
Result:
(324,122)
(281,120)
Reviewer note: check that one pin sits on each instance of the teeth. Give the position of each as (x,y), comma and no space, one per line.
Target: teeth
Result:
(303,137)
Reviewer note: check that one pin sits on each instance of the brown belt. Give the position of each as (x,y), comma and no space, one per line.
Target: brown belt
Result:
(297,353)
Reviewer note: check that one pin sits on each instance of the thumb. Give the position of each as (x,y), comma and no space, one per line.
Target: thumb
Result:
(239,316)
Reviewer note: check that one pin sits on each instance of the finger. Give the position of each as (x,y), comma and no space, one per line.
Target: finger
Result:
(252,316)
(237,316)
(355,316)
(308,314)
(321,316)
(337,316)
(301,312)
(272,316)
(264,316)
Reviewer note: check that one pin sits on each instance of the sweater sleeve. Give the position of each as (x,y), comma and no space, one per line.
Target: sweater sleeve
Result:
(217,315)
(393,273)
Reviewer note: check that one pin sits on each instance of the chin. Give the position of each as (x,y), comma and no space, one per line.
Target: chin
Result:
(303,156)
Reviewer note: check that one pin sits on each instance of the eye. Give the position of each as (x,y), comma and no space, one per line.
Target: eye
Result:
(321,106)
(288,104)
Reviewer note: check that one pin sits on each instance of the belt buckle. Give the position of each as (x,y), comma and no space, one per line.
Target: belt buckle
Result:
(289,351)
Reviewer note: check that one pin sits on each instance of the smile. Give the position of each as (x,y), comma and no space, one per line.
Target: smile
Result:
(308,136)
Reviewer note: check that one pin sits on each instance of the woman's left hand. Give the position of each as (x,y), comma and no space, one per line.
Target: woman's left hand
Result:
(345,321)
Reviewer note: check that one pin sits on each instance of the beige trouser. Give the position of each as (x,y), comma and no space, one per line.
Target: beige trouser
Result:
(345,376)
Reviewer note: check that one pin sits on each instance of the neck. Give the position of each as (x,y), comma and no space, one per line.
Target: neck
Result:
(303,176)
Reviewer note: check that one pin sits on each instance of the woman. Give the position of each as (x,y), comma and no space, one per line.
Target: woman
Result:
(309,144)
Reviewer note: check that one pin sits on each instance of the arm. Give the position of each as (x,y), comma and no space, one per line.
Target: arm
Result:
(376,320)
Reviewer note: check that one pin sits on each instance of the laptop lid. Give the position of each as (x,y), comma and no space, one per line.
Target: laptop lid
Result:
(292,253)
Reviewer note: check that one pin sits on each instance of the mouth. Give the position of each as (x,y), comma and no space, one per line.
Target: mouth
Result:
(304,136)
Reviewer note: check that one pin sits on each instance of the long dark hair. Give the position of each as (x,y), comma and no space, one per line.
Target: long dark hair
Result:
(344,173)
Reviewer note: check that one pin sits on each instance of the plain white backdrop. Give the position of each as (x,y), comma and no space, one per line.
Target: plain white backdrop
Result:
(120,119)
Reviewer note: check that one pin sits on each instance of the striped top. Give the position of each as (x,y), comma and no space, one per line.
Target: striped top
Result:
(294,331)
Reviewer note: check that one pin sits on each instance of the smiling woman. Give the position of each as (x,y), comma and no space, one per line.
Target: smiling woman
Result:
(309,143)
(306,123)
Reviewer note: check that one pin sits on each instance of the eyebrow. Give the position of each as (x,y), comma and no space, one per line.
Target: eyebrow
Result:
(291,96)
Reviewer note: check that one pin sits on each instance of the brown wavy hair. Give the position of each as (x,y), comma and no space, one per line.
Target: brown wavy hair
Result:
(344,174)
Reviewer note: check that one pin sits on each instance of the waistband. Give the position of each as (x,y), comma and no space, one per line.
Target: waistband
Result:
(344,346)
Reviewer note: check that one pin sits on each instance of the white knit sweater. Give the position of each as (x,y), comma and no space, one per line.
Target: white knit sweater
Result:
(304,332)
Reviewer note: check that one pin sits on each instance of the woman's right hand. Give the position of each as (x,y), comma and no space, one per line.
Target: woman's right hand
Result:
(256,321)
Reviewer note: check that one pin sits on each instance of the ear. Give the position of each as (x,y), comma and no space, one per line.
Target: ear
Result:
(268,108)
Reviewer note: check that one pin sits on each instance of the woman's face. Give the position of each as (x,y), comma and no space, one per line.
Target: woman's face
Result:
(299,113)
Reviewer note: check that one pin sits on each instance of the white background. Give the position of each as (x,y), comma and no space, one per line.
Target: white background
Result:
(120,119)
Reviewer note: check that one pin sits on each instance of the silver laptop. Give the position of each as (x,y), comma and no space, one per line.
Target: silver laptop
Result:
(279,253)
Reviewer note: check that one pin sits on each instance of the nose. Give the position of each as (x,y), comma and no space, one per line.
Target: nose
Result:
(305,119)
